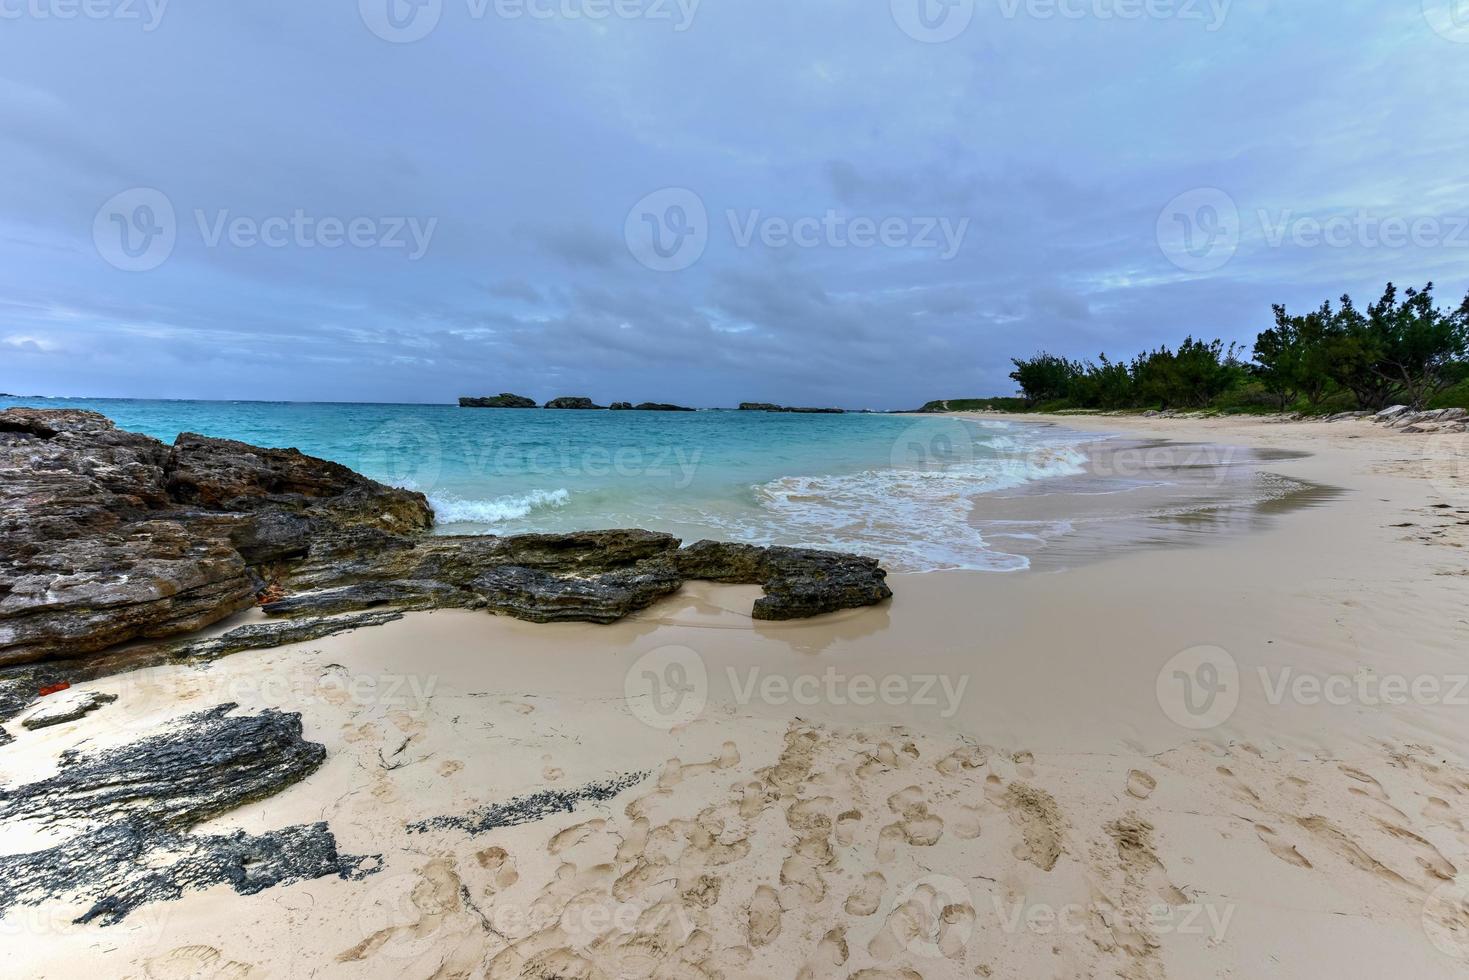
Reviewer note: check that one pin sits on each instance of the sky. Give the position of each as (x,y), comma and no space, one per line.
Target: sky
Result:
(823,202)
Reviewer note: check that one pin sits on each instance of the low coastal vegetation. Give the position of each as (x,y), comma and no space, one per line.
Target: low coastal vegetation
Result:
(1401,350)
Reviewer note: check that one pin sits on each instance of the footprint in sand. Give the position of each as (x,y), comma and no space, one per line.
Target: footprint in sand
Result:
(1286,852)
(501,866)
(934,920)
(1336,839)
(867,896)
(962,759)
(450,766)
(763,917)
(1036,816)
(846,828)
(1139,784)
(191,962)
(1437,810)
(1429,858)
(1371,787)
(1236,786)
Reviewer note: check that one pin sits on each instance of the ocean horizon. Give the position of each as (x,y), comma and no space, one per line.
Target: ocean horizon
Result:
(897,487)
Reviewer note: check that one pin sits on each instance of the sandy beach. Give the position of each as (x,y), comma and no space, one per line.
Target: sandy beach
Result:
(1198,738)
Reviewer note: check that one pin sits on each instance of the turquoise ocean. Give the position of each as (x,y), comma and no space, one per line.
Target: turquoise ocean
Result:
(897,487)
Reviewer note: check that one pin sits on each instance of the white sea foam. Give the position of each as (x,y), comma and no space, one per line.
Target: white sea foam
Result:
(917,520)
(451,509)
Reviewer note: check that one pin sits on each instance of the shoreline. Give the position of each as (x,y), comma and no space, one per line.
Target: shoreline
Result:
(1060,781)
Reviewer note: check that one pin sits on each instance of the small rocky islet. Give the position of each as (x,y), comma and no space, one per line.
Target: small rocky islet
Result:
(582,403)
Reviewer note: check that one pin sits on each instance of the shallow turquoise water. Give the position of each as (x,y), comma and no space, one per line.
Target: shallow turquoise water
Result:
(898,487)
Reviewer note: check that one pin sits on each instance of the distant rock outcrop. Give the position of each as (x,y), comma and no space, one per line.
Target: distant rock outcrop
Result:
(575,403)
(648,407)
(502,400)
(767,407)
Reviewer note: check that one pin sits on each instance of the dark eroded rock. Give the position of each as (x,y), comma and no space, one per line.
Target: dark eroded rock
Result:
(541,597)
(527,809)
(263,636)
(68,706)
(139,802)
(798,582)
(206,764)
(572,402)
(648,407)
(108,537)
(503,400)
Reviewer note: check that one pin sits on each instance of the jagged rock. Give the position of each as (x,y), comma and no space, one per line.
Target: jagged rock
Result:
(571,402)
(139,802)
(540,597)
(225,475)
(263,636)
(58,709)
(1343,416)
(5,737)
(206,764)
(107,536)
(648,407)
(1389,413)
(125,865)
(503,400)
(528,809)
(798,582)
(768,407)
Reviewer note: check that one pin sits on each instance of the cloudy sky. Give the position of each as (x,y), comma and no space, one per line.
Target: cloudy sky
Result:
(867,204)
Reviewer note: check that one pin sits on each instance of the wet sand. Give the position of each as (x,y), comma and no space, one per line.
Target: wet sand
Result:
(998,774)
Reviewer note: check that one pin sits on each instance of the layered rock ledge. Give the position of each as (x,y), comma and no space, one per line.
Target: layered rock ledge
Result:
(108,536)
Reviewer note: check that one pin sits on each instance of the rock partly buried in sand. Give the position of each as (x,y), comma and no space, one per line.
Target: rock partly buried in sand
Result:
(58,709)
(798,582)
(139,803)
(503,400)
(107,536)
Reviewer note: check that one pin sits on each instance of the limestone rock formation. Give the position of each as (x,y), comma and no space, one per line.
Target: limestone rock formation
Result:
(107,536)
(503,400)
(573,402)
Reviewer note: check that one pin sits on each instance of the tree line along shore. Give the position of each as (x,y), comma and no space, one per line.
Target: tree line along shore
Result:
(1401,350)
